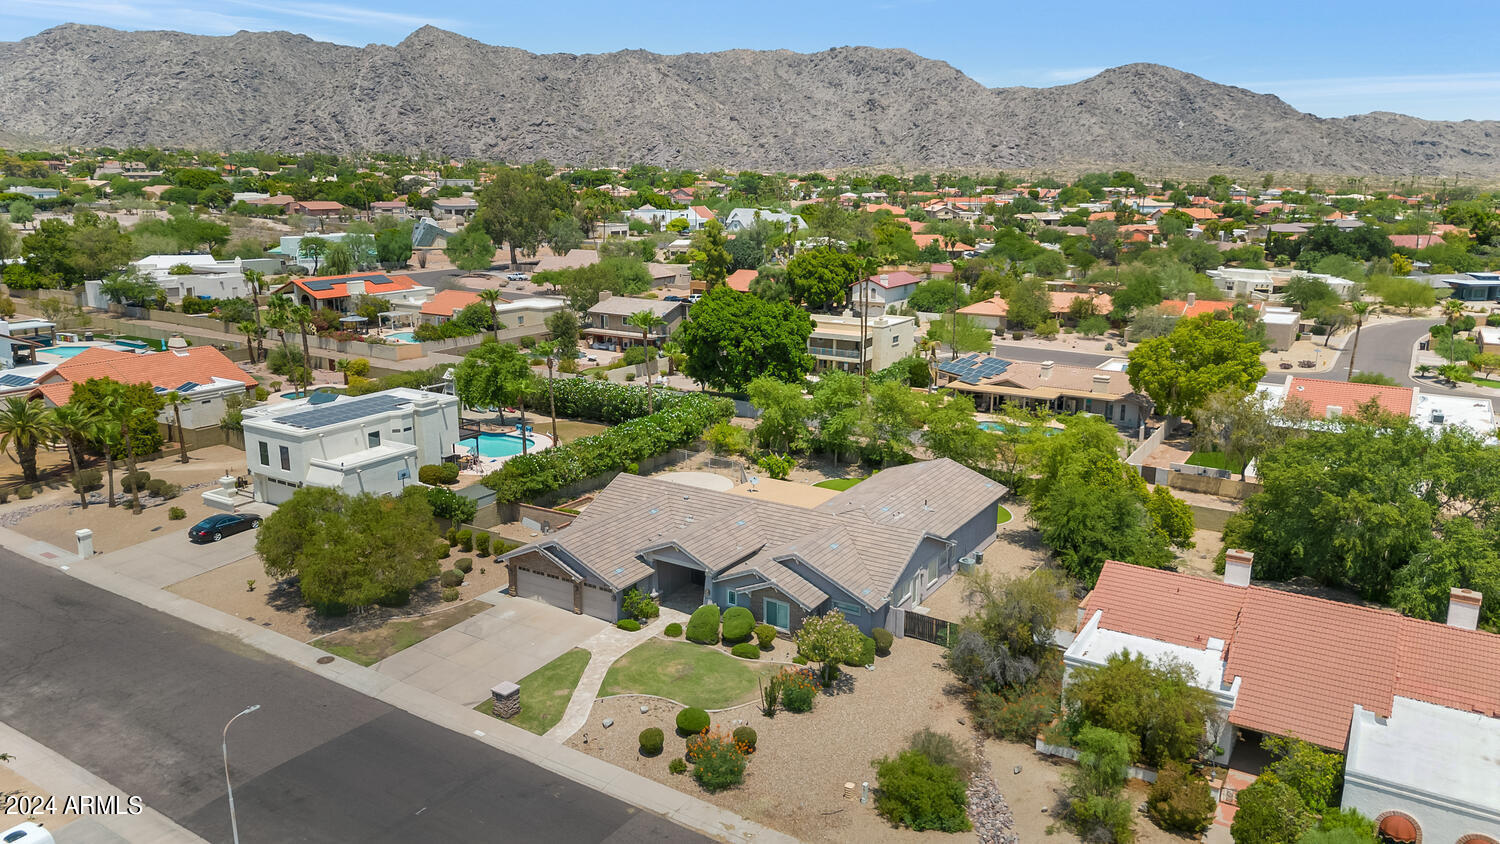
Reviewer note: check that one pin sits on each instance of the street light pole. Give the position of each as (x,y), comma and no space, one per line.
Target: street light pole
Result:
(224,745)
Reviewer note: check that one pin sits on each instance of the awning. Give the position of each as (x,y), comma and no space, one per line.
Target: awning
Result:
(353,319)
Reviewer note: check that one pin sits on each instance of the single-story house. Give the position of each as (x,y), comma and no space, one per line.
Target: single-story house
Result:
(993,383)
(316,208)
(873,551)
(1328,399)
(201,374)
(745,218)
(991,312)
(455,206)
(338,291)
(740,280)
(1474,287)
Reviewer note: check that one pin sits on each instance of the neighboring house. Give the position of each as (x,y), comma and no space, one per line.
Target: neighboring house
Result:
(954,249)
(338,291)
(445,305)
(316,208)
(1413,703)
(1239,282)
(34,193)
(873,551)
(391,207)
(740,280)
(658,218)
(1488,337)
(991,312)
(210,278)
(607,327)
(455,206)
(289,249)
(372,443)
(883,290)
(201,374)
(746,218)
(280,200)
(994,383)
(834,342)
(1191,306)
(604,229)
(1416,241)
(1474,287)
(1328,399)
(1282,325)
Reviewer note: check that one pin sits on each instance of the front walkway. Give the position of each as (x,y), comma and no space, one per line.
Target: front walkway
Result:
(604,648)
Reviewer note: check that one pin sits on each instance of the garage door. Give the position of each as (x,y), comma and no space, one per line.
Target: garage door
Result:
(558,593)
(599,603)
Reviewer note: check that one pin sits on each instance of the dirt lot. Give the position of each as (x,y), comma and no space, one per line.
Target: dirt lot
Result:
(796,777)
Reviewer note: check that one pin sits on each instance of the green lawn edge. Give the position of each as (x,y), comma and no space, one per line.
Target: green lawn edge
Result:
(545,692)
(693,675)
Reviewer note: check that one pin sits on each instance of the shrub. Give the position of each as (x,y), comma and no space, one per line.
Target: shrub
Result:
(482,544)
(677,766)
(431,474)
(24,492)
(630,376)
(176,514)
(718,761)
(692,721)
(765,634)
(866,654)
(638,605)
(466,540)
(135,482)
(651,740)
(452,536)
(450,579)
(943,749)
(1016,335)
(1269,812)
(87,480)
(450,473)
(703,627)
(738,622)
(629,624)
(450,594)
(915,792)
(1016,713)
(168,492)
(799,659)
(746,650)
(883,640)
(261,394)
(745,738)
(464,564)
(674,630)
(1316,775)
(635,355)
(443,550)
(799,689)
(154,486)
(1180,801)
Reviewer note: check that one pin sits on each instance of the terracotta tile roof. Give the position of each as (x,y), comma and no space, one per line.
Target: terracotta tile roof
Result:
(899,278)
(924,239)
(1198,213)
(1416,241)
(336,286)
(445,303)
(1304,662)
(170,370)
(319,205)
(1320,395)
(1061,301)
(702,211)
(740,280)
(1178,307)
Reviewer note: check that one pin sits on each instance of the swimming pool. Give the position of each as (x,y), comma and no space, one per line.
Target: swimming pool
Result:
(997,426)
(498,445)
(403,336)
(296,395)
(69,351)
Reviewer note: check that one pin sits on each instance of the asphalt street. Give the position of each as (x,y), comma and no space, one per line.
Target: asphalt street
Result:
(140,698)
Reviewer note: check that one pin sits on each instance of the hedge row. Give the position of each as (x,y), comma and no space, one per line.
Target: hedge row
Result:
(602,401)
(529,477)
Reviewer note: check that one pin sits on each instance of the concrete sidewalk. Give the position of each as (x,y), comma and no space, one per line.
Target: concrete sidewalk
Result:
(54,775)
(629,787)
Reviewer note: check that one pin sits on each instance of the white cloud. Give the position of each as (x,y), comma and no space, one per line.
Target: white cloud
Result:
(1338,87)
(1064,75)
(339,13)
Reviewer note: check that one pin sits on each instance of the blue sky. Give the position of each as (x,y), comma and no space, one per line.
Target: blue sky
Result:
(1328,57)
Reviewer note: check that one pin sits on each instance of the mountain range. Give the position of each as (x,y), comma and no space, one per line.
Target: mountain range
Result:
(442,93)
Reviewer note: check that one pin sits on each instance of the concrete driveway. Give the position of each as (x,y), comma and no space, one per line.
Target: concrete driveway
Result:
(516,637)
(171,558)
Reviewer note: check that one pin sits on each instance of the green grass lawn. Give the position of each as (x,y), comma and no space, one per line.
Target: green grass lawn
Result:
(546,691)
(691,674)
(839,484)
(368,647)
(1214,460)
(1486,382)
(1004,515)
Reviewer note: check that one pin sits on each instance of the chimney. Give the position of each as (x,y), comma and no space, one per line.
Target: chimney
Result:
(1237,564)
(1046,369)
(355,286)
(1463,608)
(604,294)
(1101,384)
(1192,297)
(884,279)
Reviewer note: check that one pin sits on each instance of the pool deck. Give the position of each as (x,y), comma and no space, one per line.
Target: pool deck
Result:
(540,442)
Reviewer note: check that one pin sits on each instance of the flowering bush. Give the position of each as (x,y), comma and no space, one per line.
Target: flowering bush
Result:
(799,689)
(718,760)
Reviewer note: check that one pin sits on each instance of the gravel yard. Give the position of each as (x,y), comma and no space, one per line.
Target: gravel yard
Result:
(795,779)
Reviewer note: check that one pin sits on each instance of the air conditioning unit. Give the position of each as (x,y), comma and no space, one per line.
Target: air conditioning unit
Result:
(1437,417)
(967,563)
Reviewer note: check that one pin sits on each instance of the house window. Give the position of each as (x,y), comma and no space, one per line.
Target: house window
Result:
(374,437)
(732,598)
(286,458)
(1109,412)
(265,453)
(895,339)
(520,319)
(848,609)
(777,613)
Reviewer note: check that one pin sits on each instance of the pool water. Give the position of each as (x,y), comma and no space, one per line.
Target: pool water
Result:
(297,395)
(996,426)
(498,445)
(403,336)
(67,351)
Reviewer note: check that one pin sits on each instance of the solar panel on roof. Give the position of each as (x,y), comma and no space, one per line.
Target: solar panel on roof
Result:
(317,284)
(187,385)
(343,411)
(14,380)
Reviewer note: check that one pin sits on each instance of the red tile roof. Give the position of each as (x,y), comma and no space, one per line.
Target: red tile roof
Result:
(1304,662)
(338,289)
(445,303)
(740,280)
(1320,395)
(899,278)
(1416,241)
(1178,307)
(924,239)
(702,211)
(169,369)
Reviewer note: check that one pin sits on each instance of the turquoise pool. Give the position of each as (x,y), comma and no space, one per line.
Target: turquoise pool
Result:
(996,426)
(403,336)
(498,445)
(69,351)
(296,395)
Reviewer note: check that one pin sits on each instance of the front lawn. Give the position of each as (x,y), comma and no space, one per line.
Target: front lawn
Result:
(368,647)
(694,675)
(1004,515)
(1214,460)
(545,692)
(839,484)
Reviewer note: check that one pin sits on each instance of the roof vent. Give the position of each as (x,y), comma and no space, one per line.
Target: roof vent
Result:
(1334,411)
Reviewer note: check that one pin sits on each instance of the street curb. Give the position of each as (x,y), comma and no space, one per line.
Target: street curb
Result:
(623,785)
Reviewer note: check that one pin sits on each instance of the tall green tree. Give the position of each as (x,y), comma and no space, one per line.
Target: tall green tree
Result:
(733,337)
(710,254)
(517,208)
(952,431)
(1202,356)
(492,299)
(784,412)
(75,425)
(494,375)
(822,276)
(647,321)
(471,249)
(24,425)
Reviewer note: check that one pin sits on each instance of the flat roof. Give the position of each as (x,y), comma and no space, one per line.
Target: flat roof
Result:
(1428,748)
(1096,645)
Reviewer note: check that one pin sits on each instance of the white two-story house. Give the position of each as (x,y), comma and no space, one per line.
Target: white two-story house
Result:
(373,443)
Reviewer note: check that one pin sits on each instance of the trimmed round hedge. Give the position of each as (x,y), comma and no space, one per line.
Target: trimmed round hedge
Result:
(651,741)
(765,634)
(746,650)
(674,630)
(745,737)
(692,721)
(464,564)
(629,624)
(883,640)
(738,622)
(703,627)
(451,578)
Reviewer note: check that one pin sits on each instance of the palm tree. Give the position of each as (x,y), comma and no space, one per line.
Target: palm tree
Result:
(74,424)
(1452,309)
(107,435)
(24,425)
(492,298)
(253,333)
(278,317)
(1359,309)
(255,279)
(549,351)
(126,415)
(176,400)
(646,321)
(302,316)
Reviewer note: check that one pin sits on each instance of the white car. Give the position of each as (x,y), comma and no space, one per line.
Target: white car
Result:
(27,833)
(518,277)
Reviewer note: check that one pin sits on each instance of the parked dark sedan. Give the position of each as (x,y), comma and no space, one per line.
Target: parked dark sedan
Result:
(215,528)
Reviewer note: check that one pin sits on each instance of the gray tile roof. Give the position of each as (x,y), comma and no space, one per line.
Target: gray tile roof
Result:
(861,539)
(762,567)
(627,305)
